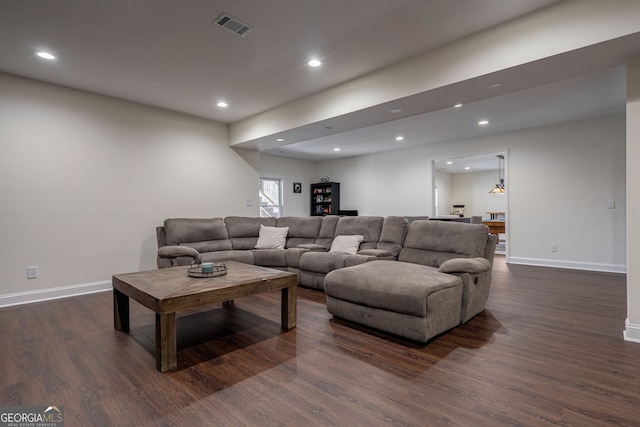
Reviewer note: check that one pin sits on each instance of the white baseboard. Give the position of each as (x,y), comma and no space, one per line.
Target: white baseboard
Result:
(610,268)
(631,332)
(54,293)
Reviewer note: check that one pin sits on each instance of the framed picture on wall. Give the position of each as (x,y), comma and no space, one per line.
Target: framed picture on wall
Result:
(297,187)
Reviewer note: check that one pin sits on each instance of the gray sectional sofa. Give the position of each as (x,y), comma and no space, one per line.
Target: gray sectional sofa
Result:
(441,279)
(413,278)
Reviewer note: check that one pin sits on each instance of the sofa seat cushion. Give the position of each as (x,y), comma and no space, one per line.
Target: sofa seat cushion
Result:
(312,247)
(322,262)
(392,286)
(270,257)
(292,257)
(245,257)
(209,245)
(360,259)
(382,253)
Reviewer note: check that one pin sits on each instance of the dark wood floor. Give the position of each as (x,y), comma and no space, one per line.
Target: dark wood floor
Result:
(547,351)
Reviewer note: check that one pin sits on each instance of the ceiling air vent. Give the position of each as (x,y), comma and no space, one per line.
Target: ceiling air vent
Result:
(234,25)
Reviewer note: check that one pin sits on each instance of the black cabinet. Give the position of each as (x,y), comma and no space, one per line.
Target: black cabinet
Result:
(325,198)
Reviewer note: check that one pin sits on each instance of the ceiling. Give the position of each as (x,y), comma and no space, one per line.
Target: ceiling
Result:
(470,164)
(172,55)
(591,95)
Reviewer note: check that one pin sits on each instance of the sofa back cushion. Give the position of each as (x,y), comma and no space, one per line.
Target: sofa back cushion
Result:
(416,218)
(204,235)
(244,231)
(327,230)
(394,230)
(433,242)
(368,226)
(302,229)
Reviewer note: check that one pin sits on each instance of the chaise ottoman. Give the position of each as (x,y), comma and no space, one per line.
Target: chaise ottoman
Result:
(410,300)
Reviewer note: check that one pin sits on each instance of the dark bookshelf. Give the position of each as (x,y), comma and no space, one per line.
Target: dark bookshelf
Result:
(325,198)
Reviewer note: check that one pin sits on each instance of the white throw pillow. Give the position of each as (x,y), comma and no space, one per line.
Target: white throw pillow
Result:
(346,244)
(272,237)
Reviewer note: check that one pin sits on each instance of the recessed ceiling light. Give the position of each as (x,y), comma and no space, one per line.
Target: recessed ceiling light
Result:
(483,122)
(495,85)
(336,149)
(449,162)
(280,139)
(45,55)
(314,63)
(396,111)
(457,106)
(222,104)
(399,138)
(467,168)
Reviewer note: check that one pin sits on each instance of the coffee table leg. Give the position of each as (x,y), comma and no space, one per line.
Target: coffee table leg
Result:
(166,358)
(120,311)
(289,307)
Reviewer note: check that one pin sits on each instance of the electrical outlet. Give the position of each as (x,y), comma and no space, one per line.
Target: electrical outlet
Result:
(553,247)
(32,272)
(611,204)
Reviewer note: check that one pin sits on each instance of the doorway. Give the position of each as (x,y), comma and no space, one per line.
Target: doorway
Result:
(462,188)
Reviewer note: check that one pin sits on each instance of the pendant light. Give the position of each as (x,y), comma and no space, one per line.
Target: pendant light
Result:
(499,188)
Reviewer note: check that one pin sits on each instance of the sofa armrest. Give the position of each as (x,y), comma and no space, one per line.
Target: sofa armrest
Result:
(465,265)
(161,236)
(178,251)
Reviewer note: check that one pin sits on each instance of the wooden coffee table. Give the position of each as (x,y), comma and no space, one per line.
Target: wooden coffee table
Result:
(169,290)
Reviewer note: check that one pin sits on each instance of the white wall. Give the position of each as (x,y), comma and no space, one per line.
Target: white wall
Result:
(559,179)
(290,171)
(444,183)
(390,183)
(632,329)
(85,179)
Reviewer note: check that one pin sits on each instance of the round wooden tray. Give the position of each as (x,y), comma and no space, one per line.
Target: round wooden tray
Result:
(218,270)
